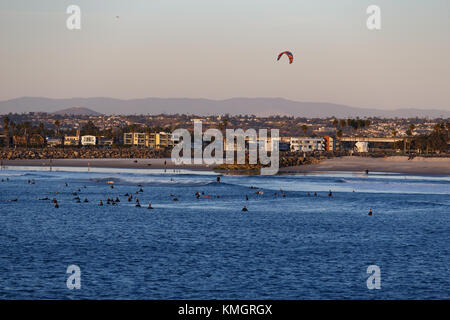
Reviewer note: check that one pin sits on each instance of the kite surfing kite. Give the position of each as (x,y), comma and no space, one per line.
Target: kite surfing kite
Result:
(289,54)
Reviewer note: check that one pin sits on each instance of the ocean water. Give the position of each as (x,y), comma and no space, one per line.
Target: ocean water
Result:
(295,247)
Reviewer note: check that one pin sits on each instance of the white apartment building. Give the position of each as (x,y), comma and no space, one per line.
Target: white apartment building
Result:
(88,140)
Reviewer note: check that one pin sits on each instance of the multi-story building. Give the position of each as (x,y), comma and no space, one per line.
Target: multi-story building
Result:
(105,141)
(306,144)
(88,140)
(36,140)
(53,142)
(20,140)
(163,140)
(152,140)
(330,144)
(71,140)
(136,139)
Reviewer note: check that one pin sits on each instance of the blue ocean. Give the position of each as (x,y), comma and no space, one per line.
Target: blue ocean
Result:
(296,241)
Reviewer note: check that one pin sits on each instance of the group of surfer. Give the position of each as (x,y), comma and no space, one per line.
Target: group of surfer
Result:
(198,195)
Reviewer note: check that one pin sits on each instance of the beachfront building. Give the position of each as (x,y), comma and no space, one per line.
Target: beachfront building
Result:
(71,140)
(36,140)
(305,144)
(53,142)
(330,143)
(160,140)
(19,141)
(138,139)
(88,140)
(362,146)
(155,140)
(105,141)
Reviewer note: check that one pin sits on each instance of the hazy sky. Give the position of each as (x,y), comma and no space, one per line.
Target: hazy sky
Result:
(228,48)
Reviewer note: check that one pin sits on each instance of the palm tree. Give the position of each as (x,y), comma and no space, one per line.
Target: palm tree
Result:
(42,129)
(410,132)
(58,125)
(437,127)
(13,126)
(26,127)
(6,130)
(394,132)
(305,129)
(225,124)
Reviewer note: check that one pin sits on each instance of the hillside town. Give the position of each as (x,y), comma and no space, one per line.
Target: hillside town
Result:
(153,133)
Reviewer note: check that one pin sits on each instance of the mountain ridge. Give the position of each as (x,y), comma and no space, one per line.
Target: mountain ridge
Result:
(203,106)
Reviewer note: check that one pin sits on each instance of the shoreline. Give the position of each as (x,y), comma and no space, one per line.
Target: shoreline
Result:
(396,164)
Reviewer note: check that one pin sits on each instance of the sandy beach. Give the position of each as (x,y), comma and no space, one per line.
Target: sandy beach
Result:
(400,164)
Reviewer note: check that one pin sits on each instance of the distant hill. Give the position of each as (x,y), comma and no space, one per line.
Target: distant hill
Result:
(257,106)
(78,111)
